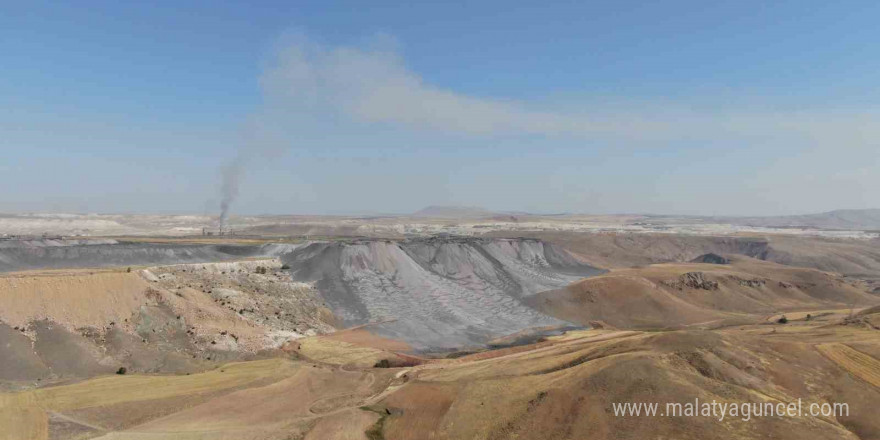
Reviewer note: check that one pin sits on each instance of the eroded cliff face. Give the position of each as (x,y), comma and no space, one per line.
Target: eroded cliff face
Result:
(438,293)
(184,318)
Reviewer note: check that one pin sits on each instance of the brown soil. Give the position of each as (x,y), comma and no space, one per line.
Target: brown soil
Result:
(561,388)
(665,295)
(362,337)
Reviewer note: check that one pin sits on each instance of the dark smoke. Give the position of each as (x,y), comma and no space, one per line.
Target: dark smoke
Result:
(231,176)
(260,140)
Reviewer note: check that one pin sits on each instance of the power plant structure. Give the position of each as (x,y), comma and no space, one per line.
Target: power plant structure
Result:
(221,231)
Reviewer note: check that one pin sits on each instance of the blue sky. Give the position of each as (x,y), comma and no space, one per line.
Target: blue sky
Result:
(348,107)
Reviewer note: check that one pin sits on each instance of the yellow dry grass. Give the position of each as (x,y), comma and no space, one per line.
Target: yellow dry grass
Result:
(859,364)
(112,390)
(572,335)
(23,424)
(89,299)
(363,338)
(347,425)
(529,362)
(330,351)
(23,415)
(307,392)
(265,398)
(563,383)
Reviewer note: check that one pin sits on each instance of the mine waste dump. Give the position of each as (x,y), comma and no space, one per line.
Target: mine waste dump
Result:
(440,293)
(52,254)
(435,294)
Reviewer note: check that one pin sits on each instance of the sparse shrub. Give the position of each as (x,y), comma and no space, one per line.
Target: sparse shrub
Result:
(128,270)
(782,320)
(375,432)
(121,370)
(285,267)
(809,316)
(396,362)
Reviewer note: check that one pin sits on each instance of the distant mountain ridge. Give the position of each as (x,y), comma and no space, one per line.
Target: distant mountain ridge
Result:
(841,219)
(848,219)
(441,211)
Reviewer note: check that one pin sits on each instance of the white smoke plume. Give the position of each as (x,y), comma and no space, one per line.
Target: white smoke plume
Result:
(372,84)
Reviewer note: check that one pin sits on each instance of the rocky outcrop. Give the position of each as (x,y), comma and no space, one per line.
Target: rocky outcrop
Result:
(692,280)
(601,325)
(751,282)
(711,258)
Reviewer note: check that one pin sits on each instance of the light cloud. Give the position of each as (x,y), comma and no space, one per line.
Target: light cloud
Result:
(373,85)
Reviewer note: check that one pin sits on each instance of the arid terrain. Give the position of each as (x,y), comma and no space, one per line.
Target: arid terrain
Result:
(355,328)
(439,220)
(428,220)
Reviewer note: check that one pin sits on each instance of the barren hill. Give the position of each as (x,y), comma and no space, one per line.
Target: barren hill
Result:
(857,258)
(675,295)
(195,338)
(437,293)
(563,388)
(856,219)
(70,324)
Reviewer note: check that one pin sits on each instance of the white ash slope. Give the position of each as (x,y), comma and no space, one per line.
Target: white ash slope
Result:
(440,293)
